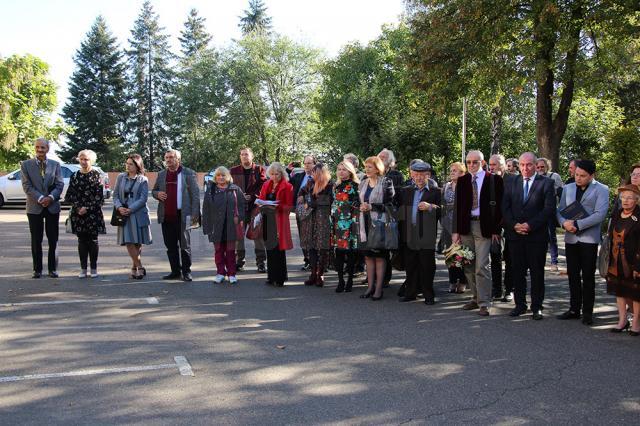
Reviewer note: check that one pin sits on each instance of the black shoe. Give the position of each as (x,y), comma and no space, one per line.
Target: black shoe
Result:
(366,295)
(386,284)
(507,298)
(239,268)
(53,274)
(620,330)
(634,333)
(349,286)
(497,297)
(375,299)
(407,299)
(341,285)
(537,315)
(306,267)
(429,302)
(568,315)
(187,277)
(587,319)
(268,282)
(172,276)
(517,311)
(262,269)
(401,290)
(36,275)
(280,284)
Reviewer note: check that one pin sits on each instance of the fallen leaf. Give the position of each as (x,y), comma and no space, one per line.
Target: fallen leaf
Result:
(280,346)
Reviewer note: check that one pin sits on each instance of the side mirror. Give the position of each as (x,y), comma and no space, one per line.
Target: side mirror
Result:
(11,177)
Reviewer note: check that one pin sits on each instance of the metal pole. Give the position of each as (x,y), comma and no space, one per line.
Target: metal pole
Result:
(464,129)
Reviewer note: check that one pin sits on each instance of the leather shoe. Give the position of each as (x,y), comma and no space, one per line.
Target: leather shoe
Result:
(53,274)
(484,311)
(401,291)
(429,302)
(469,306)
(568,315)
(587,319)
(407,299)
(537,315)
(517,311)
(36,275)
(171,276)
(262,269)
(187,277)
(507,298)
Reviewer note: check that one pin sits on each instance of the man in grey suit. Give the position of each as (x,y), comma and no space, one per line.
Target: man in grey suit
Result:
(178,195)
(582,236)
(42,183)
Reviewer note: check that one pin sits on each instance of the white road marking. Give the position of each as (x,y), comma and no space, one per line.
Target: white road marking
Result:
(183,366)
(180,361)
(148,300)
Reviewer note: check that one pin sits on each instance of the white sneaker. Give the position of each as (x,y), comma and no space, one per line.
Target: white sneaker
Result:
(94,273)
(83,273)
(218,279)
(233,279)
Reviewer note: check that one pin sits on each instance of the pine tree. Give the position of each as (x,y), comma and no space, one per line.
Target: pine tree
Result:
(194,37)
(255,18)
(151,83)
(97,107)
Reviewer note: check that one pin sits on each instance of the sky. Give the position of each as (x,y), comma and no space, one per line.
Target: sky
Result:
(53,29)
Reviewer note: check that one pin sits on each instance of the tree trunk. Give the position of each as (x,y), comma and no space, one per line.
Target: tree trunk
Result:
(496,129)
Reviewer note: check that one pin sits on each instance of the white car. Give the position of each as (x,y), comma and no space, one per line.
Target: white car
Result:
(11,185)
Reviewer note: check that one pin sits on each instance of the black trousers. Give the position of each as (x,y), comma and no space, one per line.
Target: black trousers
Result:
(347,257)
(88,248)
(530,256)
(508,269)
(581,268)
(45,222)
(305,252)
(178,244)
(277,266)
(496,273)
(420,266)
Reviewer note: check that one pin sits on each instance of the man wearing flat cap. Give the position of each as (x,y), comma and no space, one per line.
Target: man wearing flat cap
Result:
(583,207)
(419,213)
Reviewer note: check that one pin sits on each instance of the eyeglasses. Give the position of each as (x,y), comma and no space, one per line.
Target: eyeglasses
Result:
(635,174)
(469,162)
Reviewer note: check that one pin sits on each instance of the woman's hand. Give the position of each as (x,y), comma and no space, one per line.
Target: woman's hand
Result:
(365,207)
(82,211)
(124,211)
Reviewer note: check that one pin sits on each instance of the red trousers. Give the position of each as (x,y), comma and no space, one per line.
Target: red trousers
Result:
(225,257)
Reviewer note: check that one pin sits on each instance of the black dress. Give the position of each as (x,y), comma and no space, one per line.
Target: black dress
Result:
(85,190)
(624,256)
(276,258)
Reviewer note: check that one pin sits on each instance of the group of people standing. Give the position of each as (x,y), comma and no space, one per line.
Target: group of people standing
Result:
(504,211)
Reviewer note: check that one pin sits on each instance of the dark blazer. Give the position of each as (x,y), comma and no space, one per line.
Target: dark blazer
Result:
(489,223)
(256,179)
(296,182)
(539,207)
(423,234)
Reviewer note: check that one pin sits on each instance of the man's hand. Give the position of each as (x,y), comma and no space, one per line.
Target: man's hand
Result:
(82,211)
(521,228)
(569,227)
(423,205)
(162,196)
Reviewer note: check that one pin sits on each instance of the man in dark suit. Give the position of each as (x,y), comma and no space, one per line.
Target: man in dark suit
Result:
(528,204)
(249,177)
(476,223)
(419,213)
(42,183)
(299,181)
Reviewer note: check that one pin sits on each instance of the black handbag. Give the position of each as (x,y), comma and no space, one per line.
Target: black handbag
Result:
(383,235)
(118,219)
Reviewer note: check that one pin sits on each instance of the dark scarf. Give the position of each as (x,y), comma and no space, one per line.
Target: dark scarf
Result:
(171,203)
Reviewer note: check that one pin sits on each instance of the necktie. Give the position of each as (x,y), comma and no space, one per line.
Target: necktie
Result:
(526,188)
(43,167)
(474,185)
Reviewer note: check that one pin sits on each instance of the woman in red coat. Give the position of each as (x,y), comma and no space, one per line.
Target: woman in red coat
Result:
(276,201)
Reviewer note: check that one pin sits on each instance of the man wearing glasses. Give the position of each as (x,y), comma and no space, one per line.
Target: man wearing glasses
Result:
(476,223)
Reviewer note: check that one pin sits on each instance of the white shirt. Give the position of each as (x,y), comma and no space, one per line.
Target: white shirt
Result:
(479,179)
(179,194)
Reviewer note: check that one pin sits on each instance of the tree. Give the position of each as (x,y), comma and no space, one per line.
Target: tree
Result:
(97,106)
(27,99)
(255,19)
(194,37)
(554,45)
(151,83)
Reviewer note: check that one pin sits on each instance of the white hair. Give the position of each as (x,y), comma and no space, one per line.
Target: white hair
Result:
(222,170)
(278,167)
(533,156)
(46,141)
(175,152)
(391,158)
(500,159)
(91,155)
(476,152)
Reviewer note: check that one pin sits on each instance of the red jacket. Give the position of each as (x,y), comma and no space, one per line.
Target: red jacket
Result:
(284,194)
(489,224)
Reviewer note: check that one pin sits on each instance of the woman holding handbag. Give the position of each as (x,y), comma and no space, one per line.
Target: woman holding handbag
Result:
(376,202)
(130,202)
(222,221)
(344,217)
(315,231)
(85,194)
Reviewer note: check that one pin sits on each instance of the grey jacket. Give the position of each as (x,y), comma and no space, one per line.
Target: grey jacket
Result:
(190,194)
(140,190)
(35,187)
(595,201)
(216,217)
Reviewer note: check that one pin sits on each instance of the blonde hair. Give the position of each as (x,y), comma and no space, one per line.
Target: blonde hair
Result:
(224,172)
(321,177)
(91,155)
(458,165)
(350,168)
(276,166)
(377,163)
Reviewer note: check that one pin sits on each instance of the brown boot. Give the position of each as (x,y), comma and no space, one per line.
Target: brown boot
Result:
(319,277)
(312,277)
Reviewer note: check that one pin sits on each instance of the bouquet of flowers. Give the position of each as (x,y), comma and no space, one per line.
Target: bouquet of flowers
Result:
(458,256)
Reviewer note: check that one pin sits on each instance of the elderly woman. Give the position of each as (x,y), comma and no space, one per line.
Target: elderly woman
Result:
(457,280)
(222,221)
(85,194)
(276,201)
(130,199)
(376,200)
(344,218)
(623,274)
(315,235)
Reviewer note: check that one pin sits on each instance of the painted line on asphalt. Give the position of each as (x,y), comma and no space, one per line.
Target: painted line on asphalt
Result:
(180,362)
(148,300)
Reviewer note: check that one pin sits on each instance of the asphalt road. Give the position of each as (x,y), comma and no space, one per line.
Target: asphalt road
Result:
(292,355)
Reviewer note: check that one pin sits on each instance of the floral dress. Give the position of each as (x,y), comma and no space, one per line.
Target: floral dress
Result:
(85,190)
(344,216)
(315,232)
